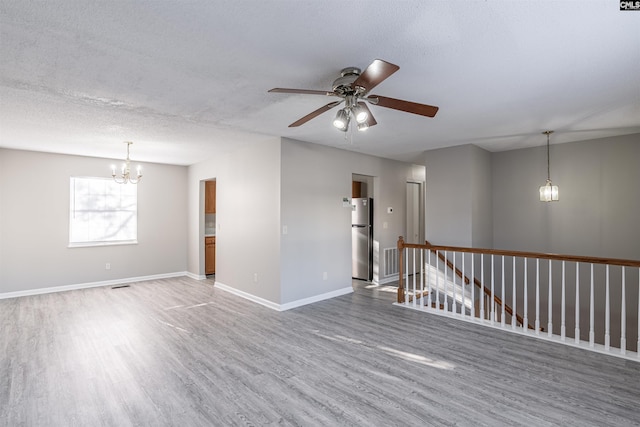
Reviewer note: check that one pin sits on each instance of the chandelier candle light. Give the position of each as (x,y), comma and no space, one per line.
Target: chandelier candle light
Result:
(125,171)
(548,192)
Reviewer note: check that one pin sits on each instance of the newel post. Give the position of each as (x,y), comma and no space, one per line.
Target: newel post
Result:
(401,295)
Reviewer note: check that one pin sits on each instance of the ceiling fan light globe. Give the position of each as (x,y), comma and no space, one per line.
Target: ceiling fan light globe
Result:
(342,120)
(360,114)
(363,126)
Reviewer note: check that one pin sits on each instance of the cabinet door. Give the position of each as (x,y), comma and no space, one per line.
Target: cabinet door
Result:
(210,255)
(356,189)
(210,197)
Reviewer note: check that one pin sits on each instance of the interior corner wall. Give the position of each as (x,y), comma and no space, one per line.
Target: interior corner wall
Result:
(315,179)
(599,206)
(247,218)
(481,198)
(449,196)
(34,224)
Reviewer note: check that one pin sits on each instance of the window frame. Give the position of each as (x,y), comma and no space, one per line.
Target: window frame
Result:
(113,210)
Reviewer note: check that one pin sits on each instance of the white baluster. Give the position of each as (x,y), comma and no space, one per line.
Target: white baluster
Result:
(429,302)
(463,308)
(446,279)
(422,278)
(502,316)
(537,324)
(473,294)
(481,286)
(607,314)
(406,279)
(525,318)
(453,280)
(513,293)
(563,323)
(492,302)
(577,331)
(623,317)
(437,280)
(592,334)
(413,268)
(550,307)
(638,315)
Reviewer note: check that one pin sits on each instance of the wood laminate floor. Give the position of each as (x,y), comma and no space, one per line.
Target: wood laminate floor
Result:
(179,352)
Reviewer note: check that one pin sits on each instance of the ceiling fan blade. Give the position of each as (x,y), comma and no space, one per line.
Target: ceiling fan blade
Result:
(370,120)
(302,91)
(407,106)
(374,74)
(314,114)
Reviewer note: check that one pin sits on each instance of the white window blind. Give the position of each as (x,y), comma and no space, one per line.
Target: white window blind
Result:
(102,212)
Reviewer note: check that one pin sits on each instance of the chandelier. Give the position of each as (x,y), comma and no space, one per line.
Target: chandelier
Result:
(125,171)
(548,192)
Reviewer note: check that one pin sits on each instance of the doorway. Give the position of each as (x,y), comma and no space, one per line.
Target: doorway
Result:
(415,213)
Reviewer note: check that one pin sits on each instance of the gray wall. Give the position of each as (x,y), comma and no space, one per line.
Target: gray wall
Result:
(458,206)
(599,206)
(34,224)
(315,179)
(247,218)
(597,215)
(265,186)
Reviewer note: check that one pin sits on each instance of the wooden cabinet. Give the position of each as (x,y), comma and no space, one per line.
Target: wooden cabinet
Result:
(209,197)
(356,189)
(210,255)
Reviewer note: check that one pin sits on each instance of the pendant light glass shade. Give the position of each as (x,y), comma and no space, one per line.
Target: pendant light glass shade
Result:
(548,192)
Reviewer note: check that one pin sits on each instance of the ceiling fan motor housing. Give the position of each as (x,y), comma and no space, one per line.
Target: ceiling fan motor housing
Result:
(342,85)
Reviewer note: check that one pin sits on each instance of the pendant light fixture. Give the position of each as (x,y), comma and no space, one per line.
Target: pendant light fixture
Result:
(125,171)
(548,192)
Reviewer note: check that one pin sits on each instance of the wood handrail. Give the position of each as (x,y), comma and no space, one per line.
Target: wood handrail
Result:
(525,254)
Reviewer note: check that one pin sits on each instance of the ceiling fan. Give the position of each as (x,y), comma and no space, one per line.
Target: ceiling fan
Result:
(353,87)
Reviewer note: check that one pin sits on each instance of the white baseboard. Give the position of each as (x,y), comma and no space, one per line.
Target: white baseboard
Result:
(195,276)
(270,304)
(64,288)
(283,307)
(316,298)
(386,280)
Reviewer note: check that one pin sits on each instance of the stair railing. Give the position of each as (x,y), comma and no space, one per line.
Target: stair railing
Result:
(534,283)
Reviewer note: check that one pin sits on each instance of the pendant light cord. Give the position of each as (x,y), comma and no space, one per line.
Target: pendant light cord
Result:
(548,132)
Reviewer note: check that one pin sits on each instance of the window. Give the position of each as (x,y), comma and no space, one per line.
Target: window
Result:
(102,212)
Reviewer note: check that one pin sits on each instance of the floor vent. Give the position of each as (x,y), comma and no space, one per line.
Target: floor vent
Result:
(390,261)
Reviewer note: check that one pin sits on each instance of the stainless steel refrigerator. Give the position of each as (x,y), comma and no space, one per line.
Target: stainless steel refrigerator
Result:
(362,238)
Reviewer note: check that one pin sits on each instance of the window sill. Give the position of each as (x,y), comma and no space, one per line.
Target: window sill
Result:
(94,244)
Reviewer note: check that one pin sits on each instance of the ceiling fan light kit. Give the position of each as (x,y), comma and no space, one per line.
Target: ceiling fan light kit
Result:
(353,86)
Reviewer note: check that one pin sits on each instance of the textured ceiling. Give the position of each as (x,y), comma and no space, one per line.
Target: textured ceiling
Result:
(185,80)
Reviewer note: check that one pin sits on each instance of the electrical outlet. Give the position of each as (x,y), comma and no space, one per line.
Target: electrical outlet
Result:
(107,266)
(324,275)
(255,277)
(285,229)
